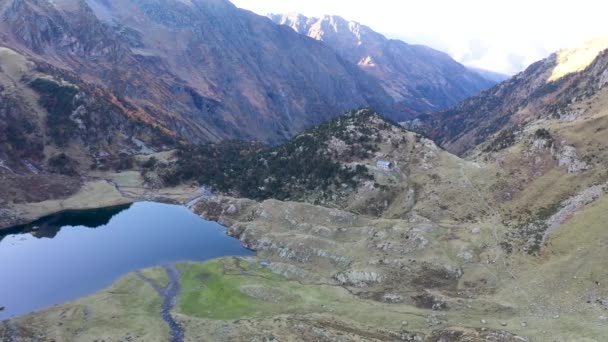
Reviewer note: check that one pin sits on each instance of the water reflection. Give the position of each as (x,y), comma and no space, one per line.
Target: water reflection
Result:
(49,226)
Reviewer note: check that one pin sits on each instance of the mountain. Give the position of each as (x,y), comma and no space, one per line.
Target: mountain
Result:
(87,85)
(507,245)
(544,133)
(363,230)
(509,236)
(204,68)
(550,90)
(418,78)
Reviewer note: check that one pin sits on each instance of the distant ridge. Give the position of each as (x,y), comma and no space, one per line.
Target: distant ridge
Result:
(416,76)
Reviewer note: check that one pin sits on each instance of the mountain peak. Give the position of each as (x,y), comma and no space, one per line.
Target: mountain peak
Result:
(326,27)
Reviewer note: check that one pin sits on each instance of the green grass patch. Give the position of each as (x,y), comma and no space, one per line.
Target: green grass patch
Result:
(233,288)
(213,290)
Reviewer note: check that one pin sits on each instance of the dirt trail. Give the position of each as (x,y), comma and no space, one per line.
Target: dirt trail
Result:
(206,193)
(169,295)
(119,189)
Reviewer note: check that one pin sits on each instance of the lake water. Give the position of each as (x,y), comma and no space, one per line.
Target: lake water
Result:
(69,255)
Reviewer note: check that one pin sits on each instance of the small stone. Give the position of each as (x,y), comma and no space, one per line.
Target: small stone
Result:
(555,316)
(483,321)
(475,230)
(603,318)
(524,324)
(504,324)
(404,323)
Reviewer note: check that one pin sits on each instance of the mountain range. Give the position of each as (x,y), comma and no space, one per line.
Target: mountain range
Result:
(209,71)
(418,78)
(548,89)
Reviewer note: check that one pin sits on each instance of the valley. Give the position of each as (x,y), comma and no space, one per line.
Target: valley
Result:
(190,171)
(424,251)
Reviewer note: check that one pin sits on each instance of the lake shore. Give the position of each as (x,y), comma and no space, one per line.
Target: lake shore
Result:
(98,192)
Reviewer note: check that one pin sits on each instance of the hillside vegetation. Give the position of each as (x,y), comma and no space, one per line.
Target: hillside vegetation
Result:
(303,166)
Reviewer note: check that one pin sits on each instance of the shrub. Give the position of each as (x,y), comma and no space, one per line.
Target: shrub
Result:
(63,164)
(542,133)
(150,163)
(58,100)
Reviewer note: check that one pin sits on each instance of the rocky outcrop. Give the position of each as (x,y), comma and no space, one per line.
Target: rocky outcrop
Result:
(358,278)
(533,235)
(572,205)
(567,157)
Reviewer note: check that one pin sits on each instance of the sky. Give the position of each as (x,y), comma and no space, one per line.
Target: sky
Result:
(502,36)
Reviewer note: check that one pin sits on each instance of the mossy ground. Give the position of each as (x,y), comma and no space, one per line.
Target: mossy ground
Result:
(235,288)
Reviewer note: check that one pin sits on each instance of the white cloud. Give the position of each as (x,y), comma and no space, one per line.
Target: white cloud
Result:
(503,36)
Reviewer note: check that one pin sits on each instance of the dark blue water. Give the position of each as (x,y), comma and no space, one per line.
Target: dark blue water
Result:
(73,254)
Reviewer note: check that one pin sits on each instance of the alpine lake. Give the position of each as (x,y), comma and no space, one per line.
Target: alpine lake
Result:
(72,254)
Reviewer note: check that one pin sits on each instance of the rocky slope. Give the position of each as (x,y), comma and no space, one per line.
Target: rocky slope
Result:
(56,128)
(551,89)
(507,245)
(488,242)
(205,69)
(544,130)
(419,78)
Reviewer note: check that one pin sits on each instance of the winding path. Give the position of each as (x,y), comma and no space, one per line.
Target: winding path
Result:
(169,295)
(206,193)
